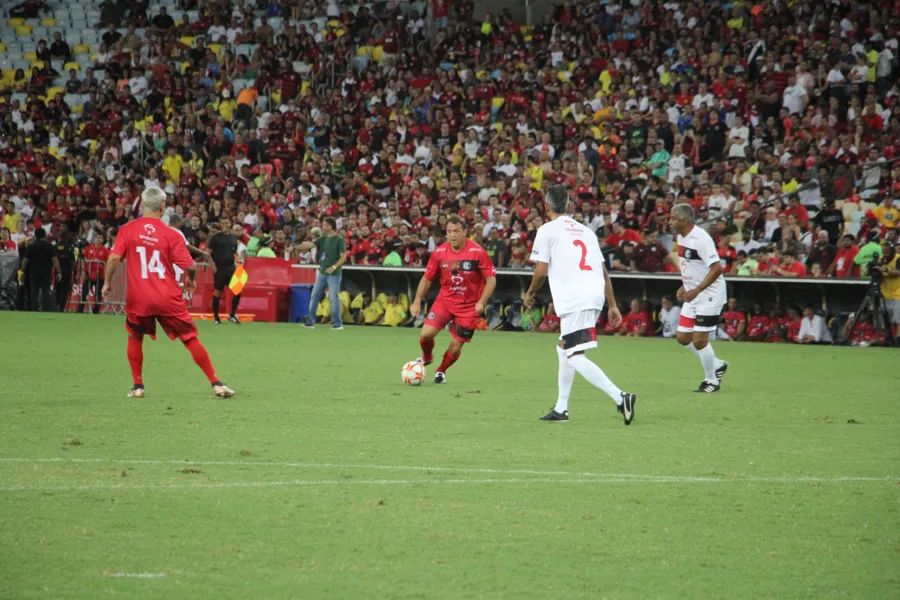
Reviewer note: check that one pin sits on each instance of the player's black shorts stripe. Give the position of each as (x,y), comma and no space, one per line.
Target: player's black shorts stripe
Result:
(464,332)
(707,320)
(576,338)
(134,326)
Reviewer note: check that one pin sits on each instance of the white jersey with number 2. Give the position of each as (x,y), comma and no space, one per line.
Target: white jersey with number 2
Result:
(575,265)
(696,254)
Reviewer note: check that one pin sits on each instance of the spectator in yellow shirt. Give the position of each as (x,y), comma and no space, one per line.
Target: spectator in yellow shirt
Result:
(395,314)
(173,165)
(227,105)
(887,214)
(11,218)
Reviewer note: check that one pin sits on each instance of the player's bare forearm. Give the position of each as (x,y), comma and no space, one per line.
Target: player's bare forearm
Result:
(340,261)
(305,246)
(112,263)
(490,284)
(424,286)
(538,278)
(714,272)
(610,296)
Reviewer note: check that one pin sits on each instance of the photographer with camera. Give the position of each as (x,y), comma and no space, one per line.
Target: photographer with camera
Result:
(885,270)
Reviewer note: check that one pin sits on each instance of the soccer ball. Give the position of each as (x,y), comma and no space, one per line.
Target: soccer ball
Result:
(413,373)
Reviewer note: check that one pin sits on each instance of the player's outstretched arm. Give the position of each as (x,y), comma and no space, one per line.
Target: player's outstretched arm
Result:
(537,282)
(416,307)
(112,264)
(615,317)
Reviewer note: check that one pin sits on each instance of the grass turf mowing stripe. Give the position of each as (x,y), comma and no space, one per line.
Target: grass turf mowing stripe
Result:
(573,476)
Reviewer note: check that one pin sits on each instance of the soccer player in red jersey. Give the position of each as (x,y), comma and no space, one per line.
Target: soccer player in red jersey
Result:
(151,250)
(468,279)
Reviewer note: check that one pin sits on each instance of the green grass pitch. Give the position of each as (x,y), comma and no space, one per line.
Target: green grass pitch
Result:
(327,478)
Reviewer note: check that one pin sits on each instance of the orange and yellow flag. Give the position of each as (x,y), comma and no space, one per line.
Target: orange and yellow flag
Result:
(238,280)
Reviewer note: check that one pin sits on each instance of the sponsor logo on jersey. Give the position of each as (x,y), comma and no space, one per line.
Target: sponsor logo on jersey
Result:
(688,253)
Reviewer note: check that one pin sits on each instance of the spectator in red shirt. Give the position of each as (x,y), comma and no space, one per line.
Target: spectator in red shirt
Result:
(621,234)
(637,323)
(792,325)
(6,243)
(551,321)
(789,267)
(759,325)
(734,322)
(842,265)
(651,256)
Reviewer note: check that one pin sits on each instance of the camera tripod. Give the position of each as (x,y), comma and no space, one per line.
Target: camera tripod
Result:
(872,310)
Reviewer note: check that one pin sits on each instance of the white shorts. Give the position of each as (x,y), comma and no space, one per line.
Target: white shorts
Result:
(578,330)
(696,316)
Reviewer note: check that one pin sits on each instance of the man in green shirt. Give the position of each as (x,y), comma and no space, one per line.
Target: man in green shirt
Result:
(867,253)
(746,265)
(264,249)
(254,242)
(393,259)
(331,252)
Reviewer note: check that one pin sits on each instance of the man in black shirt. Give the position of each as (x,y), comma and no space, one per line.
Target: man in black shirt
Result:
(162,22)
(40,260)
(222,247)
(716,132)
(830,219)
(65,253)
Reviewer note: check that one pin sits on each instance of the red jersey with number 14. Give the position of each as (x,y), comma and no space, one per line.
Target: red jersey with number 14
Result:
(150,250)
(462,274)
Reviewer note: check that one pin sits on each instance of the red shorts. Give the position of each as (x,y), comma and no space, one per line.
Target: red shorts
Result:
(462,324)
(180,326)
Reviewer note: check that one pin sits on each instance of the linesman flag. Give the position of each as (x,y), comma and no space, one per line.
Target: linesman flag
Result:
(238,280)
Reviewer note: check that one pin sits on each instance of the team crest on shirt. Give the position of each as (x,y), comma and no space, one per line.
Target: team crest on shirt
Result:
(467,265)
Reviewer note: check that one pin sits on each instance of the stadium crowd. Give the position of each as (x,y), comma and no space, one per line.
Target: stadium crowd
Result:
(778,122)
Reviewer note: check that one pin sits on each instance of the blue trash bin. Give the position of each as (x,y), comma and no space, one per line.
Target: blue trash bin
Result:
(300,295)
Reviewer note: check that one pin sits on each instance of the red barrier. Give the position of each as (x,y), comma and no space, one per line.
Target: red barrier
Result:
(267,294)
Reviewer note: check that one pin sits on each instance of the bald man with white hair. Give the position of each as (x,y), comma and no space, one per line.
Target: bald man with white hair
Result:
(152,251)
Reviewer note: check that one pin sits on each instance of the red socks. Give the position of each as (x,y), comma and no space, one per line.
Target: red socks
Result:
(136,359)
(201,357)
(447,362)
(427,348)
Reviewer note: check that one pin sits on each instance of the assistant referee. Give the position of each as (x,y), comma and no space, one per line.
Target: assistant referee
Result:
(223,248)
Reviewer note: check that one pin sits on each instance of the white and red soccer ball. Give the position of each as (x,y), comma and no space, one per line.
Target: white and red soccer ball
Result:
(413,373)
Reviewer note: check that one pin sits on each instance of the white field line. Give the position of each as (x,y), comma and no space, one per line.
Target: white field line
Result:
(557,476)
(140,575)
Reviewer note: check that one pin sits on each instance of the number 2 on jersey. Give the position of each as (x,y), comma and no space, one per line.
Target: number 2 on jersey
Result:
(154,265)
(582,264)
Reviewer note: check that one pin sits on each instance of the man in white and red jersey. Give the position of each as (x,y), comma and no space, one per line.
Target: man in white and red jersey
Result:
(468,279)
(703,294)
(151,251)
(569,254)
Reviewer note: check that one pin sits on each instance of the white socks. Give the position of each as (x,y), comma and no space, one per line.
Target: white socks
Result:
(566,378)
(709,361)
(596,376)
(693,349)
